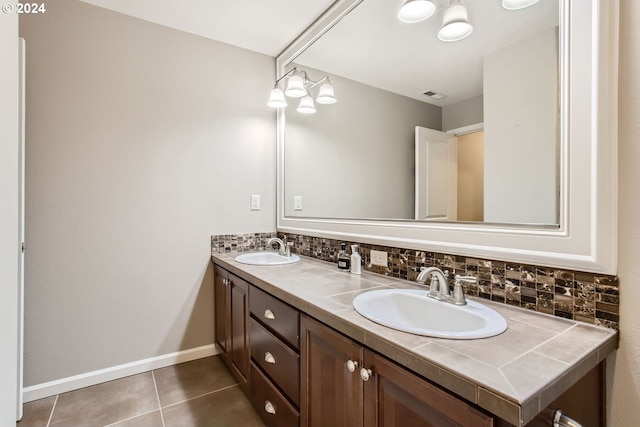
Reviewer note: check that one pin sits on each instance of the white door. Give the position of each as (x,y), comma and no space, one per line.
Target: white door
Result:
(21,197)
(436,175)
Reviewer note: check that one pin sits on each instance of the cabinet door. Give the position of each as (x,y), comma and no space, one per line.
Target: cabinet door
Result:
(331,395)
(240,328)
(394,396)
(222,306)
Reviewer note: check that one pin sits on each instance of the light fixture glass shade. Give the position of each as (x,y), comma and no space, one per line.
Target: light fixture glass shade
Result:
(306,105)
(455,24)
(295,87)
(326,95)
(276,98)
(517,4)
(416,10)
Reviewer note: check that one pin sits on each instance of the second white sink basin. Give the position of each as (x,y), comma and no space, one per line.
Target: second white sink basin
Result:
(411,310)
(266,258)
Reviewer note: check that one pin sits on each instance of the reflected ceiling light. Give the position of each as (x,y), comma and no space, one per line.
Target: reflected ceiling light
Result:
(455,24)
(299,86)
(416,10)
(325,94)
(306,105)
(518,4)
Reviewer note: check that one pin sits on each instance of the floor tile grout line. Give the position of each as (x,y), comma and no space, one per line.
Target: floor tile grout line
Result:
(155,385)
(130,418)
(202,395)
(52,409)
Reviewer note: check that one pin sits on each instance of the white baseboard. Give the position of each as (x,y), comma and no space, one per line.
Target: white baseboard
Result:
(75,382)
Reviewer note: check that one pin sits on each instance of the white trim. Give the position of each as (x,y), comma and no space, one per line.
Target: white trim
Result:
(87,379)
(467,129)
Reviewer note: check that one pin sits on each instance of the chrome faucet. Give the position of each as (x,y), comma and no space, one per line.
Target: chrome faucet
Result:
(439,287)
(284,249)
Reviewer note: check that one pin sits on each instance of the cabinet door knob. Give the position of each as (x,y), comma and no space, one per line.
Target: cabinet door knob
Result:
(352,365)
(365,374)
(268,357)
(269,314)
(269,408)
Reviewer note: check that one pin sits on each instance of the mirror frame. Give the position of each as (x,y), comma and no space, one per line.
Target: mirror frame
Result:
(587,237)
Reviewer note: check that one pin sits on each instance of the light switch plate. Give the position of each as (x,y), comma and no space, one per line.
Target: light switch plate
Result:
(255,202)
(297,203)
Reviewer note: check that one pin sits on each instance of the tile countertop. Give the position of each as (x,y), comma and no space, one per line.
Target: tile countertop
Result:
(514,375)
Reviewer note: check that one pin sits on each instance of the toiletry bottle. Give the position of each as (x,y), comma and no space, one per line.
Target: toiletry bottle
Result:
(344,261)
(356,260)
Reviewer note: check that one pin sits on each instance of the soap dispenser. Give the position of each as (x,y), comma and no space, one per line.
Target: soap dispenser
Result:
(356,260)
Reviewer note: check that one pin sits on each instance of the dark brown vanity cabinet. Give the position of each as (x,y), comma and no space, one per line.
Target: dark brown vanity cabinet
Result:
(345,384)
(231,299)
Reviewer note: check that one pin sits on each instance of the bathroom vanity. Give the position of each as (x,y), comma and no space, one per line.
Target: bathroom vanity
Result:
(303,356)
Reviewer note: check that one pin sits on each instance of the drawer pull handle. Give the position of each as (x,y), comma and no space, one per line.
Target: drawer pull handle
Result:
(269,408)
(269,314)
(268,357)
(352,365)
(365,374)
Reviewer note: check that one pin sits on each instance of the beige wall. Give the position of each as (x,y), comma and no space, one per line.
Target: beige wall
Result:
(142,142)
(9,242)
(624,374)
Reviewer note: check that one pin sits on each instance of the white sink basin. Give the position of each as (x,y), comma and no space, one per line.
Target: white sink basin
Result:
(413,311)
(266,258)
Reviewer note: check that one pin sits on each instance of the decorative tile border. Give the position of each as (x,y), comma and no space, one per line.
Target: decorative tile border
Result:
(581,296)
(225,243)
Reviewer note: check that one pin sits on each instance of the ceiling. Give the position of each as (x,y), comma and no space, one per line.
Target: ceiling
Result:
(265,26)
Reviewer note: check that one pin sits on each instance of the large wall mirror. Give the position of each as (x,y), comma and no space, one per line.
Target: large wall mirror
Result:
(501,145)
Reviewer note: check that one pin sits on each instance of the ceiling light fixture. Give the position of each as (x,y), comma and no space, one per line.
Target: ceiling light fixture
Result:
(517,4)
(455,24)
(416,10)
(299,86)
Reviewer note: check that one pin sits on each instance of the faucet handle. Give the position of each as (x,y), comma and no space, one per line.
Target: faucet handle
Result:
(458,292)
(466,279)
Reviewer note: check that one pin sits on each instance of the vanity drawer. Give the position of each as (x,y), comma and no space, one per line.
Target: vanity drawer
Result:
(274,409)
(281,319)
(277,360)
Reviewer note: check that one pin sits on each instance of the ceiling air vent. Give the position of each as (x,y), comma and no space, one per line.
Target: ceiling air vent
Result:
(434,95)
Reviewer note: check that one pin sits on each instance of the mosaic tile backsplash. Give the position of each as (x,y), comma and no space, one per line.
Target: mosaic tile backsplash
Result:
(586,297)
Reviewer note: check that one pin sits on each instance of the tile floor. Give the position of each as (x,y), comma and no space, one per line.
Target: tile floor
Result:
(201,393)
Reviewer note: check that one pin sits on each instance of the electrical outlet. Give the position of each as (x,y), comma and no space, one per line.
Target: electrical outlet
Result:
(379,258)
(297,203)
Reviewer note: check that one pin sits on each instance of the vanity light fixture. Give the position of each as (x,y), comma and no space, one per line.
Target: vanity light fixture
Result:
(306,105)
(416,10)
(455,24)
(517,4)
(299,86)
